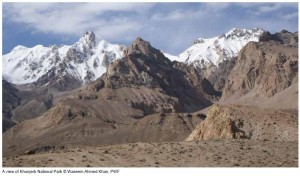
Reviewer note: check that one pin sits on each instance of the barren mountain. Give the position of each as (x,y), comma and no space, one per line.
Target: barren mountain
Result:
(140,98)
(262,70)
(145,66)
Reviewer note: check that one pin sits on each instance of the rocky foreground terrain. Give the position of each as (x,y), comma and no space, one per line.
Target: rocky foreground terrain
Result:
(149,111)
(211,153)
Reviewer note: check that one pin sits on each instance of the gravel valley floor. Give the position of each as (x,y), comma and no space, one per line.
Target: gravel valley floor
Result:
(212,153)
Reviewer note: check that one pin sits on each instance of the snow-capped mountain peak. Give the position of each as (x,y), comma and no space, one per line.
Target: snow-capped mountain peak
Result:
(88,39)
(19,47)
(244,33)
(206,51)
(86,60)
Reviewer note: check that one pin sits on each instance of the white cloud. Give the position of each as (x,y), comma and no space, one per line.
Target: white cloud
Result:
(290,16)
(265,8)
(214,9)
(269,8)
(75,18)
(118,29)
(175,15)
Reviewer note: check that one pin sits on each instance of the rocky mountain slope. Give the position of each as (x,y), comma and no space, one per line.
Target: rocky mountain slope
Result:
(140,98)
(84,61)
(145,66)
(263,69)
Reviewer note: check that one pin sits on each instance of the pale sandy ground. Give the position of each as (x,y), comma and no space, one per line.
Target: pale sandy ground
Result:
(213,153)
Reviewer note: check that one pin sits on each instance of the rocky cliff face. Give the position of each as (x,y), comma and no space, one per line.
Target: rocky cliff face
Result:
(217,76)
(264,68)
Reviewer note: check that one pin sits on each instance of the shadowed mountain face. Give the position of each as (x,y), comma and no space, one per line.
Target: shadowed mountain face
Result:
(22,102)
(10,101)
(284,37)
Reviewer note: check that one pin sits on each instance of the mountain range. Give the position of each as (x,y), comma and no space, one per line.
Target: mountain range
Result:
(86,60)
(89,57)
(242,84)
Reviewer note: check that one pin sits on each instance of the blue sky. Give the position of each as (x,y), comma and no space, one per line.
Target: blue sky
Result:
(171,27)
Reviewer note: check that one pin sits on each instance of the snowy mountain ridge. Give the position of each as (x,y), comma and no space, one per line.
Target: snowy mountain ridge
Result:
(86,60)
(207,51)
(89,57)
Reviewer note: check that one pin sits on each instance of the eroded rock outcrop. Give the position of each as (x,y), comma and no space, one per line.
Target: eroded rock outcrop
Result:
(233,122)
(217,125)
